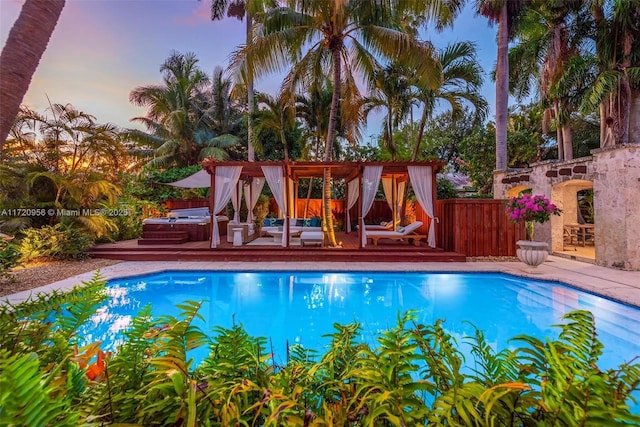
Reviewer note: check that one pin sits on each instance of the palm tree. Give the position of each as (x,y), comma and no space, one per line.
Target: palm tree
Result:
(21,54)
(548,37)
(459,87)
(504,12)
(276,115)
(346,35)
(241,9)
(607,79)
(390,89)
(184,114)
(67,161)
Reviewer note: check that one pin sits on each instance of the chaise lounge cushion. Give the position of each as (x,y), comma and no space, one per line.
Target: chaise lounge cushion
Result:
(408,233)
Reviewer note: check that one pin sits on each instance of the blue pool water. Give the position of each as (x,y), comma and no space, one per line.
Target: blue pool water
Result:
(300,307)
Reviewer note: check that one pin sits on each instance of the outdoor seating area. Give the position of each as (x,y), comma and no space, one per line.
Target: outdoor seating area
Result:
(578,235)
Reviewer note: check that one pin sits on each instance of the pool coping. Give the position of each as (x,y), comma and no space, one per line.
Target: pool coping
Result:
(618,285)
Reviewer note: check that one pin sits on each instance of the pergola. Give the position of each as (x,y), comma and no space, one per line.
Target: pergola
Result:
(362,179)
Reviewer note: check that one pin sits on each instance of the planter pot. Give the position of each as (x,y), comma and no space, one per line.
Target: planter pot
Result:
(532,253)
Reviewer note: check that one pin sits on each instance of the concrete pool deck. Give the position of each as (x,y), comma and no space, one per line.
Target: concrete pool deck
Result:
(619,285)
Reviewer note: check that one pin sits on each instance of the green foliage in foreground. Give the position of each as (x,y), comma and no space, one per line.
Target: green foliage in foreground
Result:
(9,258)
(414,376)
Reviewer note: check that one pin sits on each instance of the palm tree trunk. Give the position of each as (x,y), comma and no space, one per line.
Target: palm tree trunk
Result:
(625,109)
(634,117)
(567,142)
(604,113)
(250,151)
(502,90)
(283,140)
(21,54)
(327,216)
(423,123)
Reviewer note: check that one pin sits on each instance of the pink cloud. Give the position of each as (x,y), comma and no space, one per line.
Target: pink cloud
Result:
(198,15)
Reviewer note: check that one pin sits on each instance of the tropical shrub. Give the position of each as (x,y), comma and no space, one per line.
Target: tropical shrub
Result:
(58,242)
(414,374)
(445,189)
(9,257)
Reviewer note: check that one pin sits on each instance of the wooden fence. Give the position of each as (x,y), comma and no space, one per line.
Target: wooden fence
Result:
(476,227)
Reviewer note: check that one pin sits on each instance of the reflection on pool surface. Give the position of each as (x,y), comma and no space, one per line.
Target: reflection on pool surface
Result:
(301,307)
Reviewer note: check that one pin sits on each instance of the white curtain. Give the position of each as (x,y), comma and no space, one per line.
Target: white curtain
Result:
(370,181)
(387,185)
(353,191)
(251,194)
(225,181)
(386,189)
(236,198)
(401,192)
(421,181)
(276,181)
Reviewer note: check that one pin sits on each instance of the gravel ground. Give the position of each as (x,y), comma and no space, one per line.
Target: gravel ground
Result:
(35,275)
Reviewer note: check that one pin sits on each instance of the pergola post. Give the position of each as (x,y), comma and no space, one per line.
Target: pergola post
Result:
(360,219)
(287,202)
(212,201)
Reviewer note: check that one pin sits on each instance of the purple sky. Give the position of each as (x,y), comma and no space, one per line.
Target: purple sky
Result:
(102,49)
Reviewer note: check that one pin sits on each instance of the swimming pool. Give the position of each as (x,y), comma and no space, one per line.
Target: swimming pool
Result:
(301,307)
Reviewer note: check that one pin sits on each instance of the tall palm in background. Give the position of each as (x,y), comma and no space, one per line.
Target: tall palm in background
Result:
(504,13)
(391,90)
(242,9)
(549,36)
(21,54)
(344,36)
(182,113)
(275,115)
(459,87)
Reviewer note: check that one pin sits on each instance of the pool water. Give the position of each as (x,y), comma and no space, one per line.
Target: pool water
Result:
(301,307)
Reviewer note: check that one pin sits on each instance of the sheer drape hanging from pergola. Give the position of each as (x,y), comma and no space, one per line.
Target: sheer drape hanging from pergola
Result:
(225,180)
(422,183)
(370,182)
(353,192)
(276,180)
(252,194)
(387,188)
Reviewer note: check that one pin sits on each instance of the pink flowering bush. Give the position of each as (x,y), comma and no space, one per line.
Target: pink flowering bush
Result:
(529,209)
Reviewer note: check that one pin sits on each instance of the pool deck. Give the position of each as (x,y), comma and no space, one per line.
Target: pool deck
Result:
(615,284)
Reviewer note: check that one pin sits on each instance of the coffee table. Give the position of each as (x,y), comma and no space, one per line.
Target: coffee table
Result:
(277,235)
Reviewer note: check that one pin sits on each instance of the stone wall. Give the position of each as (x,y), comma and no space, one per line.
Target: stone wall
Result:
(616,187)
(614,175)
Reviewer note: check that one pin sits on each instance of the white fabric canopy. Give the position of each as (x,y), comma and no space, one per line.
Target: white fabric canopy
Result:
(236,201)
(370,181)
(422,183)
(225,181)
(275,179)
(387,184)
(200,179)
(353,192)
(251,194)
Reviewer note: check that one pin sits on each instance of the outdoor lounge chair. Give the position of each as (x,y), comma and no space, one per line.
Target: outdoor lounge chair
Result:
(384,225)
(403,233)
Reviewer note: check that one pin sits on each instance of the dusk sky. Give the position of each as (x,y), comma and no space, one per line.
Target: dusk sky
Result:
(102,49)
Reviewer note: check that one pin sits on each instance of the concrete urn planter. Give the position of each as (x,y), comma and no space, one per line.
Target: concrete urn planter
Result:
(532,253)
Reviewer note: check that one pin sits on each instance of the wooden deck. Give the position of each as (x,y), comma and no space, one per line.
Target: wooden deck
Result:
(386,251)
